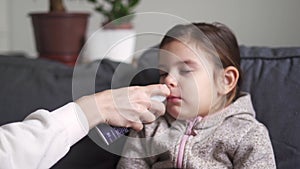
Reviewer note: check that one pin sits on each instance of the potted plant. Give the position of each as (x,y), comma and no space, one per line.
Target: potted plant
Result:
(116,40)
(117,14)
(59,35)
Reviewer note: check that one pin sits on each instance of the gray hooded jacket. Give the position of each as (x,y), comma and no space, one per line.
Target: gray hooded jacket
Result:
(232,138)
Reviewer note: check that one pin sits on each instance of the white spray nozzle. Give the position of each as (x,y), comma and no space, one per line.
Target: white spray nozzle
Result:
(158,98)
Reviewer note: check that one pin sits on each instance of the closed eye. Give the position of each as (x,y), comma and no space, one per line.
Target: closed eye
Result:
(185,71)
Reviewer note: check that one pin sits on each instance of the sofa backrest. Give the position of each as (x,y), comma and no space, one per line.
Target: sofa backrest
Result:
(272,77)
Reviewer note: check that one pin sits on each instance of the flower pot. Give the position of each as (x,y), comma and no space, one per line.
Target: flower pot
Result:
(59,35)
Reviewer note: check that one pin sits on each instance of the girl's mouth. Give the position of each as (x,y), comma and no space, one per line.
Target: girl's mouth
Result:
(174,99)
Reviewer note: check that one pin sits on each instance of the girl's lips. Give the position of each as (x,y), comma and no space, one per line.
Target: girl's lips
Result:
(173,99)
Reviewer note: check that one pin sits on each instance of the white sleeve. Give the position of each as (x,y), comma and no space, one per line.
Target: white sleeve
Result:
(42,138)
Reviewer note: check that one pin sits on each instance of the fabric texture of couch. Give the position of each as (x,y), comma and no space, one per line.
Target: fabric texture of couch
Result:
(271,75)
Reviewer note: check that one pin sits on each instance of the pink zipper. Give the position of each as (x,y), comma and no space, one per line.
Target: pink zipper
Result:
(184,139)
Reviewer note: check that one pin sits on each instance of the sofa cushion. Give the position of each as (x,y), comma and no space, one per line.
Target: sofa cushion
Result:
(271,75)
(30,84)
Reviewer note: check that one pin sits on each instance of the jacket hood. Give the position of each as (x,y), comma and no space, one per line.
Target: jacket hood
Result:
(240,108)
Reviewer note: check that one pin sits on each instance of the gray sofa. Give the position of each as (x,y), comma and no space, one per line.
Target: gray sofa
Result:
(271,75)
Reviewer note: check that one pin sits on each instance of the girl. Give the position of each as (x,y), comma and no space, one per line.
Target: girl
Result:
(209,123)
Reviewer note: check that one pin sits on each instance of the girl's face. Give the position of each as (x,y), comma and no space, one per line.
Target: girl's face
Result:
(189,77)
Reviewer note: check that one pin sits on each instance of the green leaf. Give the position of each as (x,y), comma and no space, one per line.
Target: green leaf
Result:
(101,10)
(115,9)
(93,1)
(133,3)
(109,1)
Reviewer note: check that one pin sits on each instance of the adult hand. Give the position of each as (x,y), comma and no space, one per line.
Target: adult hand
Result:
(126,107)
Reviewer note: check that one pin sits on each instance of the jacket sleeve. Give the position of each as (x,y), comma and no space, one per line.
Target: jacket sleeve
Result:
(255,150)
(42,138)
(133,154)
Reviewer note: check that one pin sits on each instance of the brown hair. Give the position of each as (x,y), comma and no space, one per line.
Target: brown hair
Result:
(216,34)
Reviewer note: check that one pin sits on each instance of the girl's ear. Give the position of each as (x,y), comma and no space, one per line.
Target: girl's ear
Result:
(230,77)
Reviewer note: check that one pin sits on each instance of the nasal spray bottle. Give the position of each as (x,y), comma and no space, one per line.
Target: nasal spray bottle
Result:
(110,133)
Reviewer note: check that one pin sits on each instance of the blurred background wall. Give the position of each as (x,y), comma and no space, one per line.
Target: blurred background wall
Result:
(255,22)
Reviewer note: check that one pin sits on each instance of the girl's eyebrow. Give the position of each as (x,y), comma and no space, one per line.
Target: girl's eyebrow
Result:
(161,66)
(188,62)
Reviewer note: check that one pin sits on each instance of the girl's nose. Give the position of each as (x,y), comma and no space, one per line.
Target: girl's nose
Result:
(171,81)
